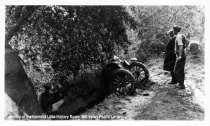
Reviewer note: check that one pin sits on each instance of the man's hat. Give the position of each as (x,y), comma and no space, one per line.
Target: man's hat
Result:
(177,28)
(169,31)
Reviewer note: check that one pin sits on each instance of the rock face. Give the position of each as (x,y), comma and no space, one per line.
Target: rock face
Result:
(17,85)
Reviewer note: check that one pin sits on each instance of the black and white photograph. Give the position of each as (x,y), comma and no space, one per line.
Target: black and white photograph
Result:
(104,62)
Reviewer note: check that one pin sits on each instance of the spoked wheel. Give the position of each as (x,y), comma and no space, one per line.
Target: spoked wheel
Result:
(122,82)
(140,73)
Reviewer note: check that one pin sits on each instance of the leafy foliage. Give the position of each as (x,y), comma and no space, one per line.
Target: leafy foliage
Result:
(152,22)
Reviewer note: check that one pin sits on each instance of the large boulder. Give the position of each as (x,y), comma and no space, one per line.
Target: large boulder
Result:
(18,87)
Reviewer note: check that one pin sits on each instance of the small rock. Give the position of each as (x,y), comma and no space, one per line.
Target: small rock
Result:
(124,113)
(166,73)
(119,108)
(146,94)
(127,99)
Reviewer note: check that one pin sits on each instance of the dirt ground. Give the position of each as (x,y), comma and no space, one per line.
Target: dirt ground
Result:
(161,101)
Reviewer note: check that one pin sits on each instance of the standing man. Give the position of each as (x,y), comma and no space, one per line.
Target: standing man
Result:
(181,42)
(170,57)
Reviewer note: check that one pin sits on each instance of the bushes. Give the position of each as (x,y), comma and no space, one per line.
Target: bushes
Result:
(148,49)
(152,22)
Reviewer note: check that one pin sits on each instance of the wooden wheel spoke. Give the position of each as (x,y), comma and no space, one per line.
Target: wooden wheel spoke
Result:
(117,78)
(115,83)
(134,73)
(126,78)
(135,68)
(139,68)
(139,72)
(137,78)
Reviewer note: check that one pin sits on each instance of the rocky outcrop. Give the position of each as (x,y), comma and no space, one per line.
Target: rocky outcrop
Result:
(17,85)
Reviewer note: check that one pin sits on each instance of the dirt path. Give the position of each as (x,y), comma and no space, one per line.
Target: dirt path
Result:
(161,101)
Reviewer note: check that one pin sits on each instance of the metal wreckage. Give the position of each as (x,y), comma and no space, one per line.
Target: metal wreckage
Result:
(118,76)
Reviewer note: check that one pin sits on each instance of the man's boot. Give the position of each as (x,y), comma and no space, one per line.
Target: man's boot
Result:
(173,81)
(182,86)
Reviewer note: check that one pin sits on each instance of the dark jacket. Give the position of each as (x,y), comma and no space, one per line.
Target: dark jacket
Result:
(170,56)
